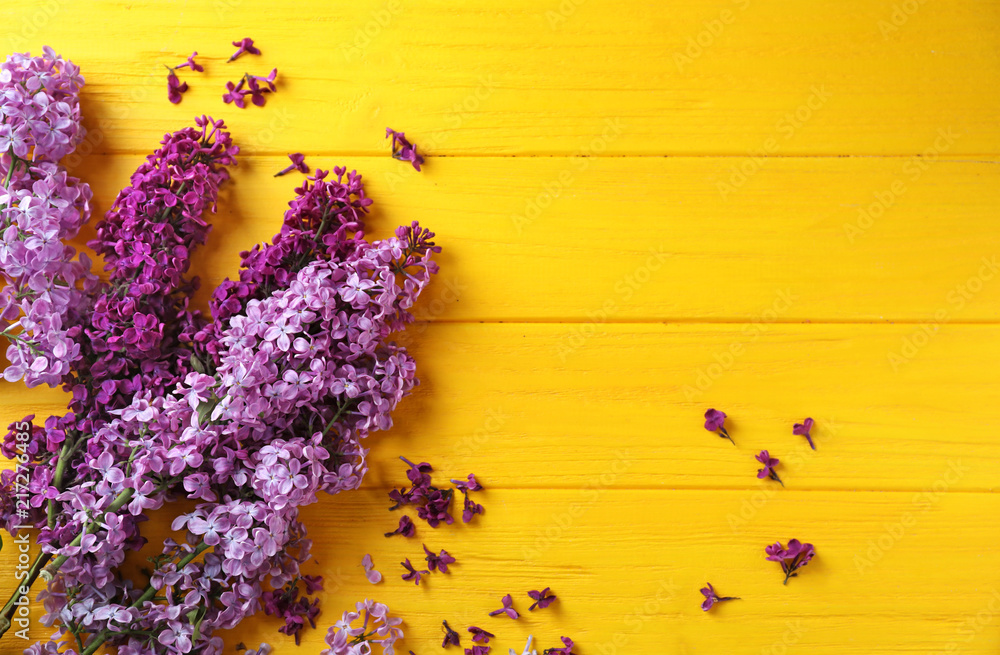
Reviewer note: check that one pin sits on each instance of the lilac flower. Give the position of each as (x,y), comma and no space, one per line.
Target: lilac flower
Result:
(406,528)
(715,421)
(478,650)
(468,485)
(479,635)
(542,599)
(298,164)
(792,558)
(439,561)
(402,149)
(235,94)
(175,87)
(243,46)
(769,463)
(803,429)
(412,573)
(566,649)
(507,608)
(711,597)
(377,627)
(296,611)
(192,64)
(373,576)
(450,636)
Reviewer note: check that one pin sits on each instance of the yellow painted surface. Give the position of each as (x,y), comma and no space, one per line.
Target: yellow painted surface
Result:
(678,243)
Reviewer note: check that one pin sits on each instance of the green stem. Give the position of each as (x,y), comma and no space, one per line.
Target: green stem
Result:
(148,594)
(120,501)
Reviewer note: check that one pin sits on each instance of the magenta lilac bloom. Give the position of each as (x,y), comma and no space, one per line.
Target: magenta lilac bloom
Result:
(406,528)
(477,650)
(439,561)
(295,611)
(298,164)
(192,64)
(711,597)
(792,558)
(451,637)
(715,421)
(243,46)
(507,608)
(769,463)
(542,599)
(402,149)
(479,635)
(412,573)
(803,429)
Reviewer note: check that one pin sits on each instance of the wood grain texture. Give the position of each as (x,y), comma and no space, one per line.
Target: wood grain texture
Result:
(779,209)
(681,77)
(652,239)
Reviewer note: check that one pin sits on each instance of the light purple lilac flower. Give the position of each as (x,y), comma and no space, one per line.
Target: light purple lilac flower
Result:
(373,576)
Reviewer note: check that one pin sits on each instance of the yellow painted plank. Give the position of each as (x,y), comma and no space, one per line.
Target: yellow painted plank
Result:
(538,405)
(895,572)
(685,76)
(634,239)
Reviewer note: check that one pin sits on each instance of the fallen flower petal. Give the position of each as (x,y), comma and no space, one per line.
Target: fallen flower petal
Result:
(803,430)
(542,599)
(373,576)
(711,597)
(507,608)
(769,463)
(243,46)
(298,164)
(793,558)
(406,528)
(450,636)
(715,421)
(479,635)
(412,574)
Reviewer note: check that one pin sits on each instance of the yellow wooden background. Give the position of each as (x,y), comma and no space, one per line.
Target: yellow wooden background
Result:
(780,209)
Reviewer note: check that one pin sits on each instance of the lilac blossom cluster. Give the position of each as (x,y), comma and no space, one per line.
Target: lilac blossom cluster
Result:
(41,207)
(250,415)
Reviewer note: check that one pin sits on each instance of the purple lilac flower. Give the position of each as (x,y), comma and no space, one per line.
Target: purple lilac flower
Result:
(412,573)
(243,46)
(439,561)
(803,429)
(298,164)
(507,608)
(451,637)
(376,627)
(41,106)
(769,463)
(406,528)
(715,421)
(296,611)
(402,149)
(793,558)
(175,88)
(478,650)
(479,635)
(373,576)
(192,64)
(542,599)
(711,597)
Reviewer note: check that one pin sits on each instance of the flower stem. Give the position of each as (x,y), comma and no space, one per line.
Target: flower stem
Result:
(120,501)
(98,640)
